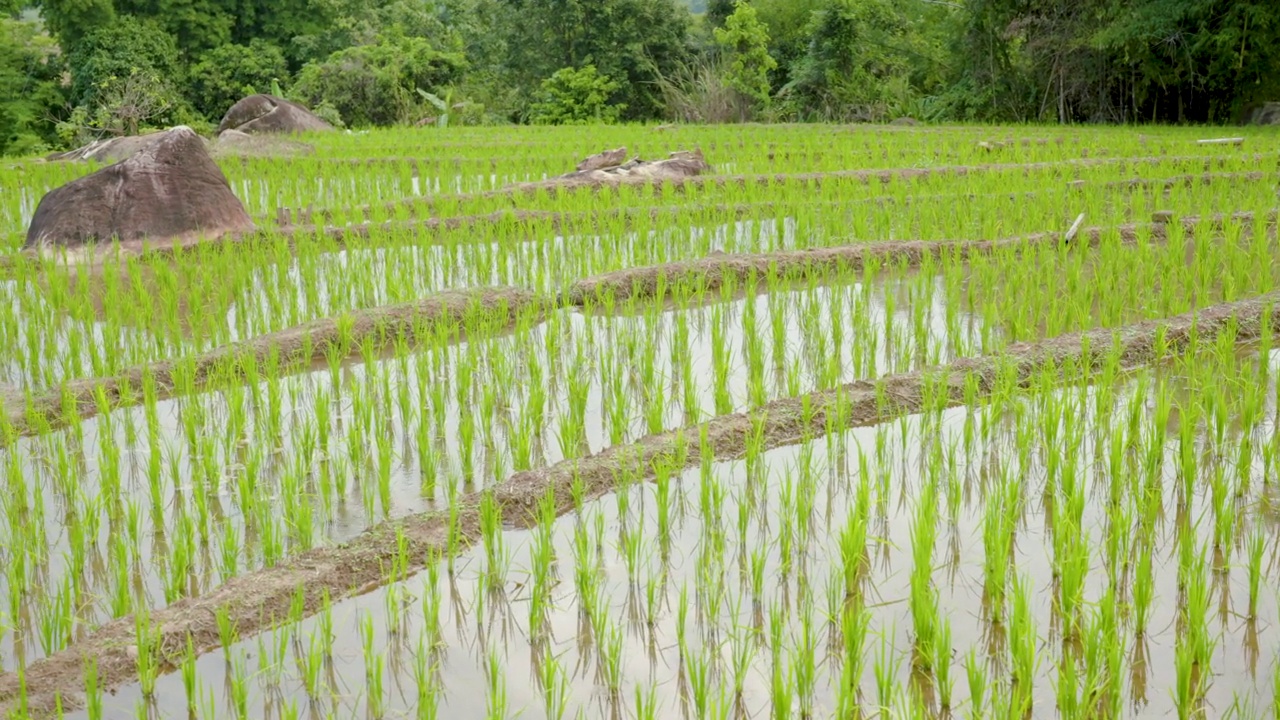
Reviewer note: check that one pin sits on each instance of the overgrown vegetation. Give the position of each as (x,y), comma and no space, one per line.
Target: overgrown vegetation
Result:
(136,64)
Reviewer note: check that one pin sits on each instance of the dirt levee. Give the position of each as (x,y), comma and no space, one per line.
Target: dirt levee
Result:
(295,347)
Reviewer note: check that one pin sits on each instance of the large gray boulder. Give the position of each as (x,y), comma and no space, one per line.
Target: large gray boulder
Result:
(233,143)
(170,190)
(1267,114)
(258,114)
(110,150)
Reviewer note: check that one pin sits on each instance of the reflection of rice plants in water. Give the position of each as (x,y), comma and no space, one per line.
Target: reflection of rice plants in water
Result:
(817,439)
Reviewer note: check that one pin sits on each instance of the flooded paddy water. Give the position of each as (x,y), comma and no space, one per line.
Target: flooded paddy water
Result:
(961,561)
(1058,546)
(387,432)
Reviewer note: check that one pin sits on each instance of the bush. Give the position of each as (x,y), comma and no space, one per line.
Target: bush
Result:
(127,105)
(744,41)
(125,47)
(228,73)
(575,97)
(376,84)
(30,88)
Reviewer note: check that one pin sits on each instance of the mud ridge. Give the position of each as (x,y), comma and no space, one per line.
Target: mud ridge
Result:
(714,271)
(295,348)
(263,599)
(748,271)
(307,219)
(560,220)
(431,203)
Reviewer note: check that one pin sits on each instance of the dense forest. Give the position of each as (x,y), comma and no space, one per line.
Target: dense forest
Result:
(76,69)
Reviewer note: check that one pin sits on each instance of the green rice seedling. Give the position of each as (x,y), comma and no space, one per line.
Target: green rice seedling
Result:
(782,692)
(227,633)
(886,673)
(924,601)
(611,661)
(238,686)
(1275,689)
(427,699)
(55,618)
(373,669)
(1254,549)
(188,669)
(997,540)
(496,553)
(554,684)
(647,704)
(854,625)
(699,672)
(310,666)
(147,642)
(1022,644)
(942,666)
(92,689)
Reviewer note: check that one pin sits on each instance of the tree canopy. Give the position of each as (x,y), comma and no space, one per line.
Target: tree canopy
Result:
(92,67)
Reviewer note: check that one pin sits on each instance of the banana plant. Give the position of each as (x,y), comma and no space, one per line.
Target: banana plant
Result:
(445,106)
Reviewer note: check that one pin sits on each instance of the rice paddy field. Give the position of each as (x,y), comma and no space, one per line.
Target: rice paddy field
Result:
(869,422)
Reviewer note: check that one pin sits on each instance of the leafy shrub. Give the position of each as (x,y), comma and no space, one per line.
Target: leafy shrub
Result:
(573,97)
(125,47)
(376,84)
(228,73)
(30,88)
(744,40)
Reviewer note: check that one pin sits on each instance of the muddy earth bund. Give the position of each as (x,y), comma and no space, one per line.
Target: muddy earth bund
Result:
(262,599)
(316,282)
(215,461)
(302,345)
(441,200)
(696,277)
(455,626)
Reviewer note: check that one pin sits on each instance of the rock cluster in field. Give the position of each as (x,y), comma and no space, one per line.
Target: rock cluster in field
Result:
(170,189)
(612,167)
(260,114)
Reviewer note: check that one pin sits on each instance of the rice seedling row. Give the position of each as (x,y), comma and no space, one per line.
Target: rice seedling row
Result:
(667,477)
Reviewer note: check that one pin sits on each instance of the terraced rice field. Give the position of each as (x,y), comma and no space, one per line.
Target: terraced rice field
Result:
(852,427)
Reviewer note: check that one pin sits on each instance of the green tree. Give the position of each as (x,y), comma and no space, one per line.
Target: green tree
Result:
(744,41)
(788,23)
(575,97)
(633,42)
(377,84)
(31,92)
(869,60)
(1114,60)
(226,74)
(125,47)
(196,25)
(71,20)
(718,11)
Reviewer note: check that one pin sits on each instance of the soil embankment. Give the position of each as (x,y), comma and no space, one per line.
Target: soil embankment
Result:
(307,343)
(1201,164)
(710,273)
(295,348)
